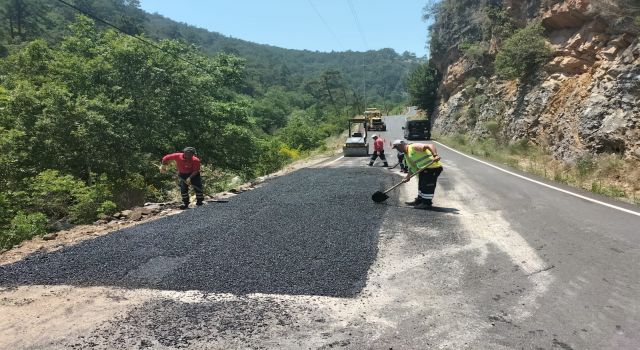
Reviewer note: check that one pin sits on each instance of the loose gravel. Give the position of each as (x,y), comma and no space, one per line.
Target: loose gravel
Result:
(303,233)
(165,323)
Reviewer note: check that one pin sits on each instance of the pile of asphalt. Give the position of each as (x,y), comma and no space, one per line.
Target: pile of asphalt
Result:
(311,232)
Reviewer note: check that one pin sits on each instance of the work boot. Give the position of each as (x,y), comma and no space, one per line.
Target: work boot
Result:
(184,206)
(414,202)
(199,203)
(370,164)
(424,205)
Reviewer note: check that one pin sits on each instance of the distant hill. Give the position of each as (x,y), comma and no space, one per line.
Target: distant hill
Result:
(385,69)
(267,65)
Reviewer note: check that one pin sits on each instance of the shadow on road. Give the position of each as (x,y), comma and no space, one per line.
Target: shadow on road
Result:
(445,210)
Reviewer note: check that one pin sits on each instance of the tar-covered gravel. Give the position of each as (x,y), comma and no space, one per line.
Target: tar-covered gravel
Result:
(303,233)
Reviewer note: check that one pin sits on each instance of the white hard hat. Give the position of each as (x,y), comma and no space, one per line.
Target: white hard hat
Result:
(374,136)
(397,142)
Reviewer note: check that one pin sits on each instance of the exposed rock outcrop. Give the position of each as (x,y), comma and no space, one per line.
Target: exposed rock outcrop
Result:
(586,99)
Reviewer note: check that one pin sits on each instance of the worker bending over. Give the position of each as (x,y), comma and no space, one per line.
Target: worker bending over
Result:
(189,172)
(416,157)
(401,162)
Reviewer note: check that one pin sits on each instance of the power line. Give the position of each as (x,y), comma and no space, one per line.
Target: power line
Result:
(335,37)
(364,40)
(133,36)
(357,20)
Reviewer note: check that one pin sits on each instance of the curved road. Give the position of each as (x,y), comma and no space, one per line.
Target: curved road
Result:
(308,261)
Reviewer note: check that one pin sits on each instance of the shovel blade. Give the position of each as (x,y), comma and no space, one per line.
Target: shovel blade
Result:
(379,197)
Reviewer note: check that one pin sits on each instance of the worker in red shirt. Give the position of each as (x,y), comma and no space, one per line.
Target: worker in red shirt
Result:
(189,172)
(378,150)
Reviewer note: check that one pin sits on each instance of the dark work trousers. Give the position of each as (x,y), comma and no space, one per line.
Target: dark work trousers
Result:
(403,167)
(427,184)
(196,183)
(375,155)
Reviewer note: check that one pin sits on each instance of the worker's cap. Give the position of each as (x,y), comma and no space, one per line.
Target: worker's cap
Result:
(397,143)
(375,136)
(191,150)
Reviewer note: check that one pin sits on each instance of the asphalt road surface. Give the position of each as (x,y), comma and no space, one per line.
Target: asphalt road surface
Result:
(309,261)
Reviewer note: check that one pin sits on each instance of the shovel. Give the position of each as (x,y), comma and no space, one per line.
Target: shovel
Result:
(380,197)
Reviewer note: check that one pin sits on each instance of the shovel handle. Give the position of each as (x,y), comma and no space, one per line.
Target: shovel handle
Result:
(410,176)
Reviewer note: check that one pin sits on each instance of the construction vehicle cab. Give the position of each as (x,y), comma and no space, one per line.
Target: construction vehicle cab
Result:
(356,144)
(374,119)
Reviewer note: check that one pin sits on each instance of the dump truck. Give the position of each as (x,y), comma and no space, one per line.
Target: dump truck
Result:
(417,127)
(374,119)
(356,144)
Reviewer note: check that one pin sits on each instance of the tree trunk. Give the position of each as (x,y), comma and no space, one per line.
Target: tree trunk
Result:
(333,102)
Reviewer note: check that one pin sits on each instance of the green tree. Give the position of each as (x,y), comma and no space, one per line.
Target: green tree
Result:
(522,53)
(422,85)
(23,226)
(300,133)
(101,104)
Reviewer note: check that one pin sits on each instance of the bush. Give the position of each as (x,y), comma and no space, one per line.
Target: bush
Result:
(494,129)
(611,191)
(522,53)
(107,208)
(53,194)
(274,155)
(480,100)
(520,147)
(6,209)
(585,165)
(301,134)
(23,226)
(128,192)
(470,83)
(288,153)
(89,200)
(475,52)
(499,23)
(460,139)
(60,196)
(155,194)
(471,114)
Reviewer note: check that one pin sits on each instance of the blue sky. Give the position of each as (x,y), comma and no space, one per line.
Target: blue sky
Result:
(322,25)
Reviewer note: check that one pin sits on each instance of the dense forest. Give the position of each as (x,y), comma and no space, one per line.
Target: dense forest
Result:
(94,92)
(266,66)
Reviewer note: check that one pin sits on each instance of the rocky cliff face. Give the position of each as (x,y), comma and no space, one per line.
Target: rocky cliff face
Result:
(585,100)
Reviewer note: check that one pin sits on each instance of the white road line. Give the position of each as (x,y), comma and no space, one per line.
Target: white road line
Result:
(333,161)
(544,184)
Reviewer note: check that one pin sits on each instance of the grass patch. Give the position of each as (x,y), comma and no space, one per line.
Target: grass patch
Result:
(607,174)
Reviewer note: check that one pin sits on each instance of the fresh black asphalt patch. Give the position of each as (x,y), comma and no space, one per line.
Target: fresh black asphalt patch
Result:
(300,234)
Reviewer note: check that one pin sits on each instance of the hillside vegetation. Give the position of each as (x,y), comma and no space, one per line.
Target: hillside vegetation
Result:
(86,111)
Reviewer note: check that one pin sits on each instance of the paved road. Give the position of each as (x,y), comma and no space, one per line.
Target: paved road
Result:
(309,261)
